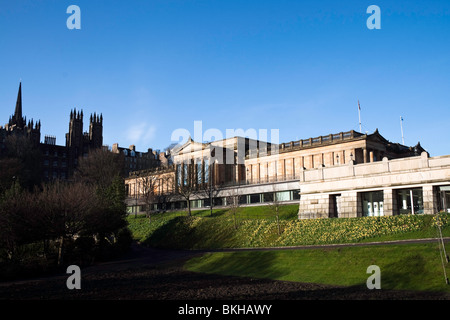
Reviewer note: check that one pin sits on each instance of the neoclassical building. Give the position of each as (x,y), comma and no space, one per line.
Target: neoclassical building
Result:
(347,174)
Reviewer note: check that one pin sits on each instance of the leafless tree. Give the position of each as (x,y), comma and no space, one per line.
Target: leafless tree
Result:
(149,183)
(99,168)
(68,209)
(274,204)
(166,190)
(208,189)
(28,156)
(233,201)
(10,169)
(187,187)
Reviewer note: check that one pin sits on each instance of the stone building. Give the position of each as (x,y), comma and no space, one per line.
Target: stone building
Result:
(137,160)
(57,161)
(347,174)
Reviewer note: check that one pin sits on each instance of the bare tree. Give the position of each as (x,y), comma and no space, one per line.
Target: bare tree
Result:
(209,190)
(274,204)
(99,168)
(10,169)
(149,187)
(27,158)
(233,201)
(187,187)
(166,190)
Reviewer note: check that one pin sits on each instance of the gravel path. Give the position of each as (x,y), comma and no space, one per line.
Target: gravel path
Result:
(151,274)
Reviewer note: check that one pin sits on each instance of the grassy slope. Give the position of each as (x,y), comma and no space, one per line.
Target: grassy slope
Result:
(402,267)
(411,267)
(204,232)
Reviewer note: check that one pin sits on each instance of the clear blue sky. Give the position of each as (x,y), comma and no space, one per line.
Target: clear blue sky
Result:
(154,66)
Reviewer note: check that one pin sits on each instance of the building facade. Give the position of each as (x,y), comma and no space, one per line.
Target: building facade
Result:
(137,160)
(57,161)
(348,174)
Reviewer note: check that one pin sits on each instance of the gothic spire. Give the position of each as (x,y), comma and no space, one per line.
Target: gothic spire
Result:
(17,118)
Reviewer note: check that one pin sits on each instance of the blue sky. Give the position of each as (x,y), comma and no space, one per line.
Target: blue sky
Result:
(151,67)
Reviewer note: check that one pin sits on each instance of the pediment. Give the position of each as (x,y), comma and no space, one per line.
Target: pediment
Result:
(187,147)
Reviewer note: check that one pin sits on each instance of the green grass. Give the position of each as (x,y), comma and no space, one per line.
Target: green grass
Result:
(403,267)
(412,267)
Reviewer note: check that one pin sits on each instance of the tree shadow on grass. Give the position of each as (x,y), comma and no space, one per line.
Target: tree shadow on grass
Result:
(404,273)
(260,265)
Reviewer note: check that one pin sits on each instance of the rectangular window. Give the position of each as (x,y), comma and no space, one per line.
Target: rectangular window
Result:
(179,174)
(410,201)
(283,196)
(206,170)
(185,174)
(196,203)
(444,198)
(268,197)
(199,172)
(255,198)
(372,203)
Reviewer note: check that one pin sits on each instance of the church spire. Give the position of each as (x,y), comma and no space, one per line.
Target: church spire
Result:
(17,118)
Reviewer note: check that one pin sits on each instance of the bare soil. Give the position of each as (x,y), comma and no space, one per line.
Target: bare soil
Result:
(152,274)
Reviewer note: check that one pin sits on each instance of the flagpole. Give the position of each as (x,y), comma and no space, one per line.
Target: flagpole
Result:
(401,127)
(359,116)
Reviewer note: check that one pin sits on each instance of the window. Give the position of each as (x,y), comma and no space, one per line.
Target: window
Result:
(372,203)
(179,176)
(206,170)
(255,198)
(444,198)
(185,175)
(199,172)
(410,201)
(196,203)
(268,197)
(283,196)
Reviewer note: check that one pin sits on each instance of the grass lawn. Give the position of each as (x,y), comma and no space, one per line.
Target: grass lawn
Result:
(406,266)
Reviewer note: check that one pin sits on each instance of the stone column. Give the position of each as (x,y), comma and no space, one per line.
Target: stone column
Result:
(388,202)
(348,205)
(258,172)
(429,203)
(293,168)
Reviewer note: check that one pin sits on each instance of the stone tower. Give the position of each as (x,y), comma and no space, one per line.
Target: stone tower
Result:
(74,138)
(96,131)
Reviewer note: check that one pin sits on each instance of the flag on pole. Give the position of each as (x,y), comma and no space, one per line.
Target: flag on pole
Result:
(359,116)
